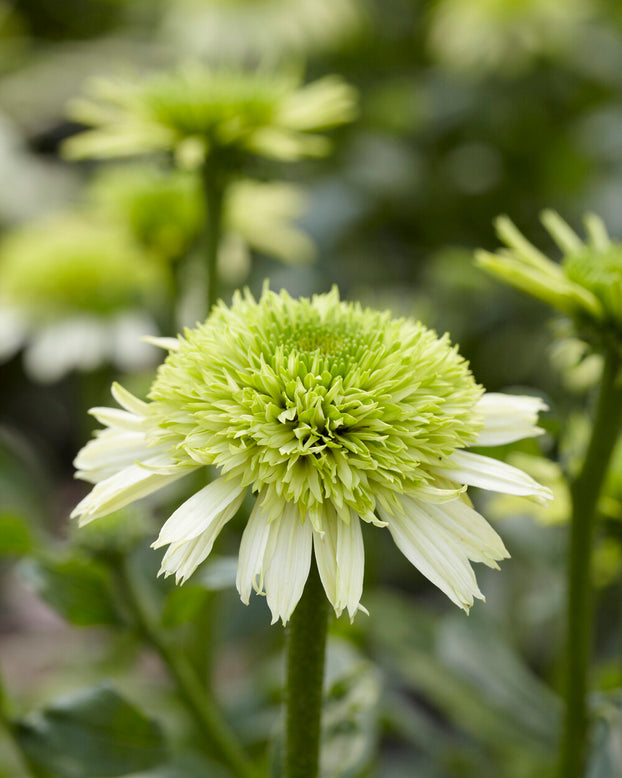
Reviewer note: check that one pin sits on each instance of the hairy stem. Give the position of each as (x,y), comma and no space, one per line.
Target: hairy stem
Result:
(585,490)
(204,711)
(305,672)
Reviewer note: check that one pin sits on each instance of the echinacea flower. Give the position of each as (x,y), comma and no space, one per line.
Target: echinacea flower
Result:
(586,285)
(196,110)
(250,30)
(333,415)
(165,211)
(72,290)
(503,35)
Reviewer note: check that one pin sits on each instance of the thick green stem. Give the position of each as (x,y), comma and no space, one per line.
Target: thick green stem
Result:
(585,490)
(214,188)
(305,673)
(202,708)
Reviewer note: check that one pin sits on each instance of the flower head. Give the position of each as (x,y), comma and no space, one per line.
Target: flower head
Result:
(73,287)
(251,30)
(503,35)
(195,111)
(164,210)
(586,285)
(332,415)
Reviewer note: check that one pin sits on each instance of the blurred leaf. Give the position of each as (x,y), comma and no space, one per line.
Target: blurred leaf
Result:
(185,766)
(349,715)
(78,589)
(606,754)
(92,734)
(465,670)
(183,605)
(15,537)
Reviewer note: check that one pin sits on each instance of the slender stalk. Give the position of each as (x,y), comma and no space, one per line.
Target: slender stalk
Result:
(202,708)
(305,672)
(214,188)
(585,490)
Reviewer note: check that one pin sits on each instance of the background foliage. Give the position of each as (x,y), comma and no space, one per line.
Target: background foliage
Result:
(468,109)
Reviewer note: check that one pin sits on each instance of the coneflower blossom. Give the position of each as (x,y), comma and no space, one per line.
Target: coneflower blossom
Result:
(331,415)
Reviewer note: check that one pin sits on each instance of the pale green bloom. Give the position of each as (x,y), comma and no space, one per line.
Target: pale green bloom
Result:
(165,210)
(503,35)
(251,30)
(196,111)
(72,289)
(586,285)
(331,414)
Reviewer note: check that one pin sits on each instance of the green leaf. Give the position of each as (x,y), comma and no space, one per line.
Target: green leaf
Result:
(15,536)
(92,734)
(78,589)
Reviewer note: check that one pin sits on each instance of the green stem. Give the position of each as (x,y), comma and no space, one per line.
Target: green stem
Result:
(585,491)
(202,708)
(214,188)
(305,672)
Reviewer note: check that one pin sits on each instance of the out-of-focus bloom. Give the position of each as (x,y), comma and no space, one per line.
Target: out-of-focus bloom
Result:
(247,30)
(493,35)
(165,210)
(197,110)
(332,414)
(587,285)
(71,290)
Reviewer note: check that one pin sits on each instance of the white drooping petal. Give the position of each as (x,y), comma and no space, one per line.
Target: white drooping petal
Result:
(468,528)
(487,473)
(340,558)
(508,417)
(111,451)
(183,557)
(128,401)
(129,484)
(433,553)
(115,417)
(196,514)
(251,554)
(287,561)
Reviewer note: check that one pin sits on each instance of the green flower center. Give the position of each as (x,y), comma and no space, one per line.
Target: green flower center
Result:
(317,400)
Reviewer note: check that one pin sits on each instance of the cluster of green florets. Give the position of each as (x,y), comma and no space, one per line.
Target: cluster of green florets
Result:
(600,273)
(71,264)
(315,400)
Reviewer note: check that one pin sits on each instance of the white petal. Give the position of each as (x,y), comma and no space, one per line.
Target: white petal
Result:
(125,487)
(508,417)
(350,565)
(111,451)
(469,530)
(287,562)
(252,551)
(441,562)
(184,557)
(113,417)
(325,547)
(128,401)
(476,470)
(168,344)
(195,515)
